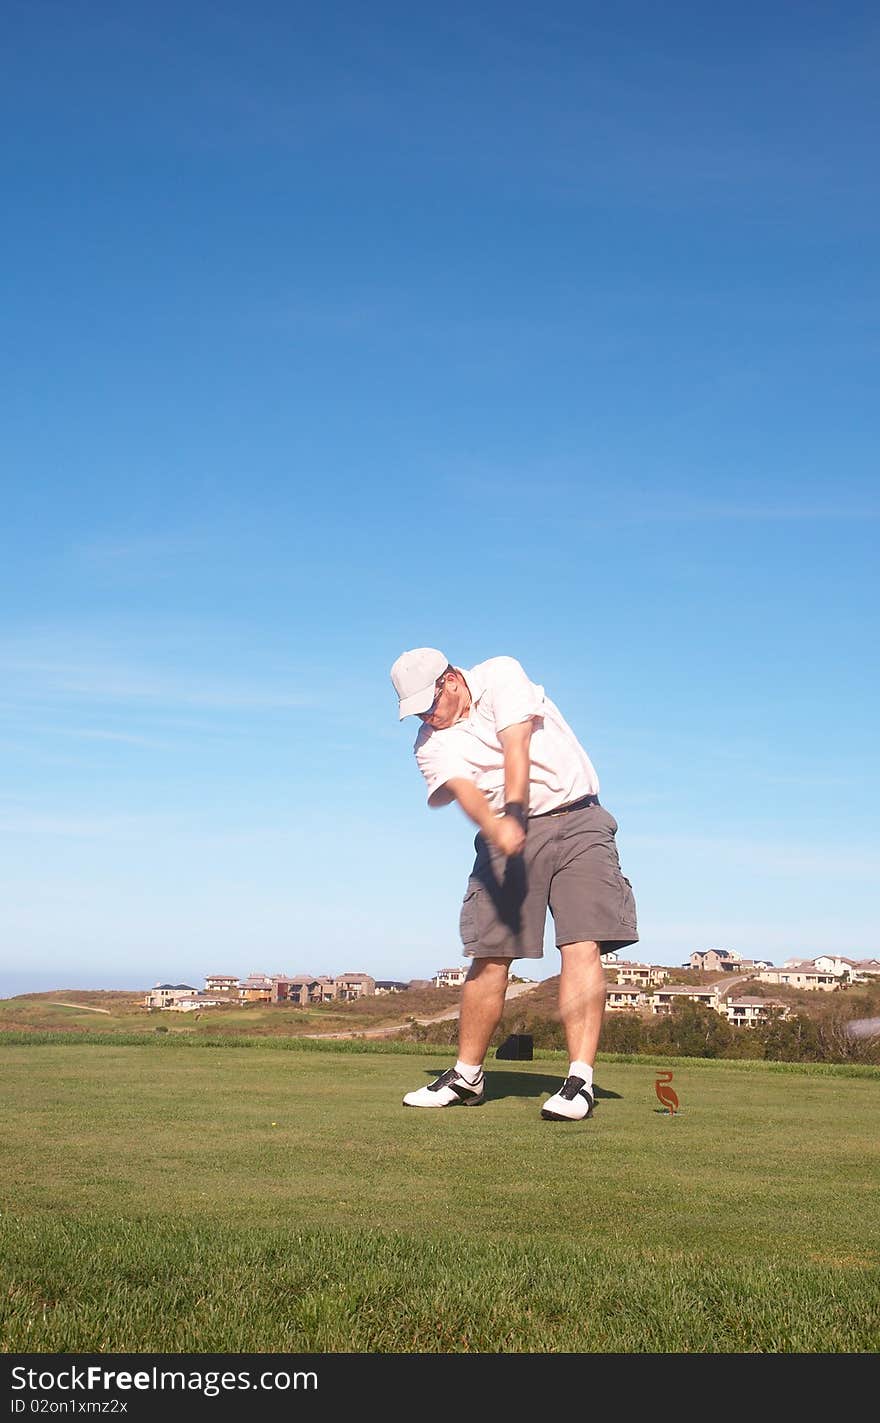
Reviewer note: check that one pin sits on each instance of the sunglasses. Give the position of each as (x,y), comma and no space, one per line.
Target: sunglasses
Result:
(439,684)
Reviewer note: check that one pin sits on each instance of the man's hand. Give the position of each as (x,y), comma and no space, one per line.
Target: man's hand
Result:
(505,832)
(507,835)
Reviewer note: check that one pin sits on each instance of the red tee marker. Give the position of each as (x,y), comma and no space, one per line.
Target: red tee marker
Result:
(665,1093)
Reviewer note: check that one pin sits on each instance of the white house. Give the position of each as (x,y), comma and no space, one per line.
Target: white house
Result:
(643,973)
(624,995)
(195,1000)
(855,968)
(801,975)
(663,999)
(449,977)
(746,1012)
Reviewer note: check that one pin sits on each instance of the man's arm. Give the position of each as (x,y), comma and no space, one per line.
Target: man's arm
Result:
(507,832)
(516,742)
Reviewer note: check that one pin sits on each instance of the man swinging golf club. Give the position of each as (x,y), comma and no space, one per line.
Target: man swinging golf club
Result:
(494,742)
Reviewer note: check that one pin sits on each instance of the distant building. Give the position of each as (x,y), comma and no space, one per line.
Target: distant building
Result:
(449,977)
(664,999)
(644,973)
(350,986)
(717,960)
(801,974)
(624,995)
(388,985)
(221,983)
(298,988)
(164,994)
(857,970)
(193,1001)
(257,988)
(748,1012)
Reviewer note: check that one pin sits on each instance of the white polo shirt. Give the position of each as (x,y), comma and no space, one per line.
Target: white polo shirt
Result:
(501,696)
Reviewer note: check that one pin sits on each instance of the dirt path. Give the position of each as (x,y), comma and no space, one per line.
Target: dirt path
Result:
(86,1007)
(513,991)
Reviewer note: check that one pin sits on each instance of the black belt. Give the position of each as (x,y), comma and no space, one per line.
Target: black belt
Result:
(581,804)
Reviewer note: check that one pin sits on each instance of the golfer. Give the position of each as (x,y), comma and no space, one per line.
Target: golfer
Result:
(494,742)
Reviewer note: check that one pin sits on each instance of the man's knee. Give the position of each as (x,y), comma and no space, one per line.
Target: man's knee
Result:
(488,969)
(585,950)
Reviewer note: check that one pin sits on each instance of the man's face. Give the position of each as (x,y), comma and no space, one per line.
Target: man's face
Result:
(449,701)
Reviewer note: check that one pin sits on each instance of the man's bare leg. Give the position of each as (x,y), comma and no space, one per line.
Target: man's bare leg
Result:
(581,1008)
(482,1004)
(582,999)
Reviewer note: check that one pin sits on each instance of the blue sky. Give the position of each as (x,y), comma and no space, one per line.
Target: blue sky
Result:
(549,331)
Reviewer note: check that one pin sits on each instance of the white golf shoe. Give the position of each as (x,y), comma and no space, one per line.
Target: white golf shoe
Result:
(572,1103)
(449,1090)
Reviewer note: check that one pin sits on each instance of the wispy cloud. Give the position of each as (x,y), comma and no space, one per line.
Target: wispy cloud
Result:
(641,509)
(618,501)
(108,679)
(64,826)
(770,857)
(98,734)
(141,552)
(788,511)
(113,683)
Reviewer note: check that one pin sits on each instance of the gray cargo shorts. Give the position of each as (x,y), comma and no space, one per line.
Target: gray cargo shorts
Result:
(569,866)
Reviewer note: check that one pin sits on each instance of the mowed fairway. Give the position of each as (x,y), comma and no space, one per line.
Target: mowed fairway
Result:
(166,1198)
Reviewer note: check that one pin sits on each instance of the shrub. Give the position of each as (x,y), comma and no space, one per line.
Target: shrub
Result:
(622,1032)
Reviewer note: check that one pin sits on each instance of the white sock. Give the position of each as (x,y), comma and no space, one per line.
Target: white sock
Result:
(469,1071)
(582,1069)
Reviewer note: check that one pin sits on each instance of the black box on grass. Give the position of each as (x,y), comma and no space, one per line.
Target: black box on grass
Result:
(516,1048)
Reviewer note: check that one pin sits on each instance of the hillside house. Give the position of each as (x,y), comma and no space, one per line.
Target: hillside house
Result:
(299,989)
(164,994)
(350,986)
(449,977)
(801,975)
(644,973)
(302,989)
(664,999)
(222,983)
(858,970)
(717,961)
(257,988)
(194,1001)
(748,1011)
(628,995)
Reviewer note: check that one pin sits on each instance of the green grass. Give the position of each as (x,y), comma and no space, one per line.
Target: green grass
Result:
(254,1200)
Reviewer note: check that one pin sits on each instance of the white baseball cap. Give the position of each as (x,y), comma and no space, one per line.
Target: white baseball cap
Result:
(414,675)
